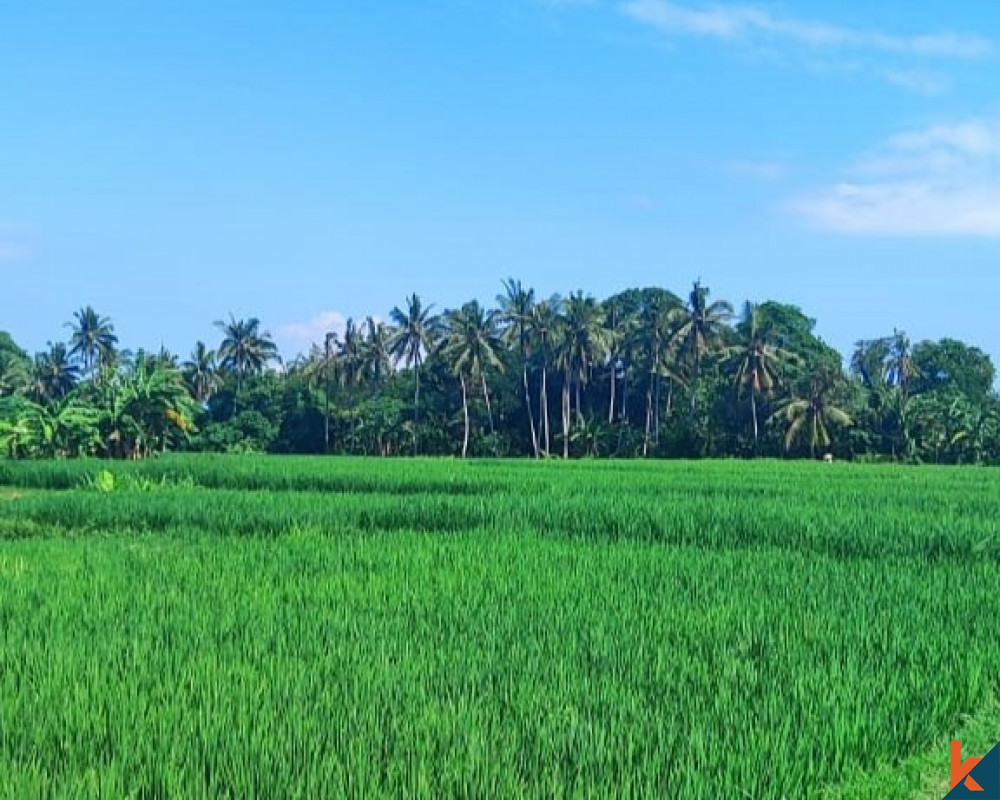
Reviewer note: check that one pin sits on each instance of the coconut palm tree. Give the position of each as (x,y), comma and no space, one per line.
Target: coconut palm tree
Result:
(583,346)
(516,307)
(652,337)
(545,327)
(53,374)
(415,333)
(14,373)
(756,360)
(93,338)
(812,420)
(201,371)
(376,353)
(245,349)
(700,330)
(472,346)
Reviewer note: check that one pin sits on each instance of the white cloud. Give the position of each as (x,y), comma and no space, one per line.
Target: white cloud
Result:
(939,181)
(917,80)
(754,24)
(298,336)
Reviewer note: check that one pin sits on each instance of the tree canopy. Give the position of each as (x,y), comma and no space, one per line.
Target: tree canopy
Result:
(643,373)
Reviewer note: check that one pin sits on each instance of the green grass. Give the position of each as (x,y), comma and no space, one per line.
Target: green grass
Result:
(307,627)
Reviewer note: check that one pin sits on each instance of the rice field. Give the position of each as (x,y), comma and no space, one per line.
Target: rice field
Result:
(260,627)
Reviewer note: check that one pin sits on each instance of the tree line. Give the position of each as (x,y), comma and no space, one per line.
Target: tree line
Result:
(644,373)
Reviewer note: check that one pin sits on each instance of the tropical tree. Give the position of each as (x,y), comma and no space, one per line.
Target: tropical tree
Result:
(201,372)
(701,328)
(471,346)
(415,333)
(53,374)
(545,329)
(583,345)
(812,420)
(14,373)
(376,353)
(653,337)
(92,339)
(756,360)
(517,305)
(245,349)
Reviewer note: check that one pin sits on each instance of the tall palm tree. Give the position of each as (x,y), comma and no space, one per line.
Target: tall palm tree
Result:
(350,354)
(700,329)
(584,345)
(201,372)
(245,349)
(653,337)
(53,374)
(376,353)
(415,333)
(812,419)
(756,360)
(472,346)
(517,305)
(545,329)
(93,338)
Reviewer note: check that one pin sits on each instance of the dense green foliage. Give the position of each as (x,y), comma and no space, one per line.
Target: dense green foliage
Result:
(246,626)
(642,373)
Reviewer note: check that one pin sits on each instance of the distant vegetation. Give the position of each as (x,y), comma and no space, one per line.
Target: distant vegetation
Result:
(644,373)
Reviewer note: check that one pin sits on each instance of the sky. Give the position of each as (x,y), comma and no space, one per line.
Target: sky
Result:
(172,163)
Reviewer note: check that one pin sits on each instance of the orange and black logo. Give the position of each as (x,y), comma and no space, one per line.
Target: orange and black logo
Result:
(976,777)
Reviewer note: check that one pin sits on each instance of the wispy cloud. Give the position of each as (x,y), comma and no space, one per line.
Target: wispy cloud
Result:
(938,181)
(294,337)
(754,24)
(918,81)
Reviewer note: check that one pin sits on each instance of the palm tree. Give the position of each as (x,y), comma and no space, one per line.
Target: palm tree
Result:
(376,353)
(813,418)
(93,338)
(700,328)
(544,329)
(416,333)
(53,374)
(245,349)
(517,305)
(472,346)
(757,360)
(584,344)
(14,373)
(202,372)
(350,355)
(653,337)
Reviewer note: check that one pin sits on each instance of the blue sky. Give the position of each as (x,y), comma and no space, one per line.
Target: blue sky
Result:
(170,163)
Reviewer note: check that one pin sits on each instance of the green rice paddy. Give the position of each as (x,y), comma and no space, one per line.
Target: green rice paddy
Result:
(263,627)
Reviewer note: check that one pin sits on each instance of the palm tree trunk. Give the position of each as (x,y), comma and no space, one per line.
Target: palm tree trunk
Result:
(579,415)
(611,405)
(465,416)
(545,409)
(489,411)
(656,409)
(527,403)
(753,411)
(416,405)
(566,412)
(649,417)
